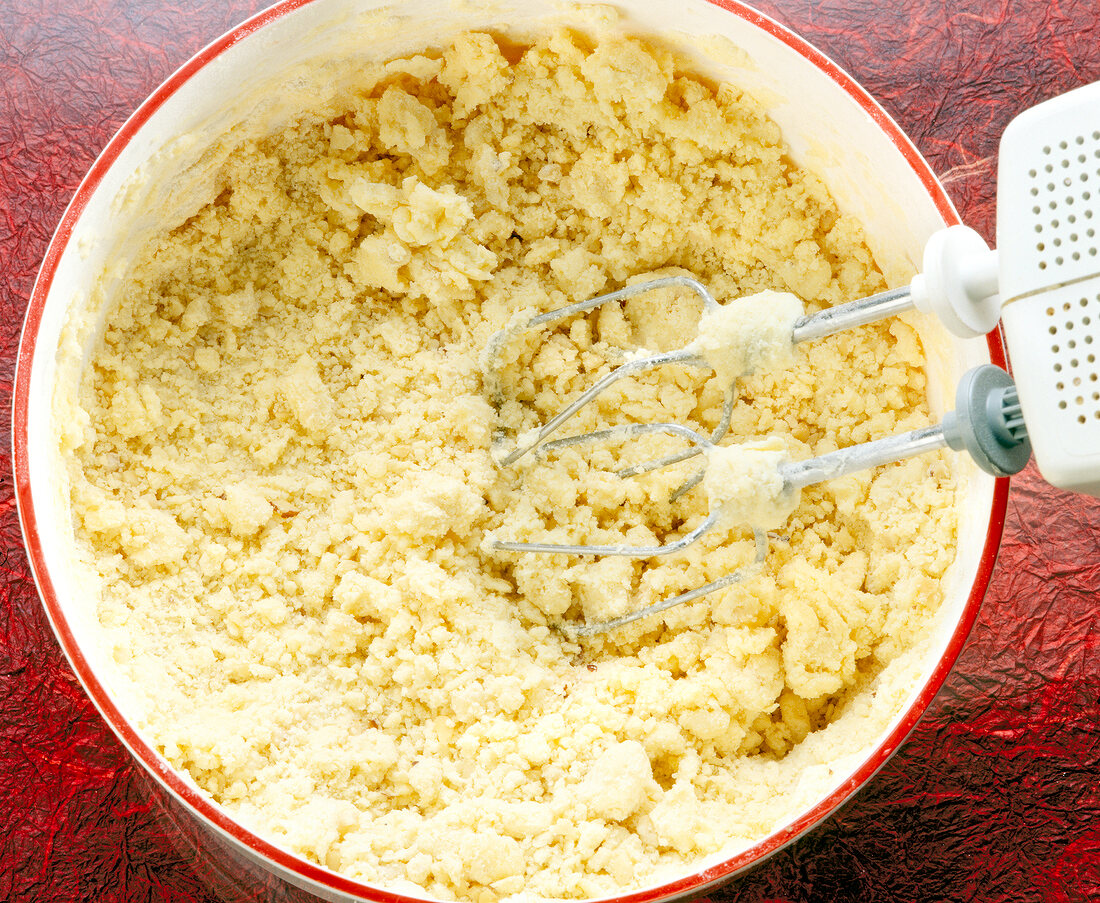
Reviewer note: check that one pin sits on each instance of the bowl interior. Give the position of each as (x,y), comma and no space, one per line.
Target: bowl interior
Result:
(156,171)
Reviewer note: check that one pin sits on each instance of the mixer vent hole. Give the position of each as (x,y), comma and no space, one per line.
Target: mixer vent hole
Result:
(1063,244)
(1071,326)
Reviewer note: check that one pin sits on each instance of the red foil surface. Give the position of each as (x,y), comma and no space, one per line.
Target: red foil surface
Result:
(995,796)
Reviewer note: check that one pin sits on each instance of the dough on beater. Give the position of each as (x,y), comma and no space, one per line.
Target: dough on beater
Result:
(282,474)
(744,484)
(749,333)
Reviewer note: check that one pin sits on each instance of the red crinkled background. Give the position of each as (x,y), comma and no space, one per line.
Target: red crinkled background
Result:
(995,795)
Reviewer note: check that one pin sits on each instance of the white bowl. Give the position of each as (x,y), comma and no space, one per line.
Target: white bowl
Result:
(242,82)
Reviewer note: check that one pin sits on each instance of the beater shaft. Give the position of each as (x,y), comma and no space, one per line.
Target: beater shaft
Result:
(853,314)
(844,461)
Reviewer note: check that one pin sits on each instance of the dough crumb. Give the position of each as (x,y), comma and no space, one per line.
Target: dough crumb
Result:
(618,782)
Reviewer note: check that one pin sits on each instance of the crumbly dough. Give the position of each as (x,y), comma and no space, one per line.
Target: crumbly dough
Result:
(744,484)
(282,473)
(749,333)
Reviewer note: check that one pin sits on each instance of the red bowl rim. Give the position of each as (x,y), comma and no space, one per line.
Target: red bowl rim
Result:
(187,793)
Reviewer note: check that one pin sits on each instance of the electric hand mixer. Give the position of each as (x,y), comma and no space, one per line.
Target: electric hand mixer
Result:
(1043,285)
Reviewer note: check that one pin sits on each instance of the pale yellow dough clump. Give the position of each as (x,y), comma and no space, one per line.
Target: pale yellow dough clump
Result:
(749,333)
(286,477)
(744,484)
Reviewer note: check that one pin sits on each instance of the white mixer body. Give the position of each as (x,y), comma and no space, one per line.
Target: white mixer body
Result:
(1048,219)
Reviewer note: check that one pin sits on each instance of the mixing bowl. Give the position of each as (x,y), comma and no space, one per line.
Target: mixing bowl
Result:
(251,79)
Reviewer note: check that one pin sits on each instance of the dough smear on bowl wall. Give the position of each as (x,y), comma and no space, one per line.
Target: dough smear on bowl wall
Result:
(281,473)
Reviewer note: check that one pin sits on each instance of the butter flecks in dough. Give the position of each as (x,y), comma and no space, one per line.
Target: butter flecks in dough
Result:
(749,333)
(744,484)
